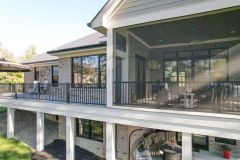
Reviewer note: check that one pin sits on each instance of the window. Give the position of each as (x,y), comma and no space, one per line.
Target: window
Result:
(36,74)
(218,69)
(90,129)
(55,74)
(198,141)
(89,70)
(121,42)
(103,69)
(225,141)
(201,70)
(170,71)
(202,65)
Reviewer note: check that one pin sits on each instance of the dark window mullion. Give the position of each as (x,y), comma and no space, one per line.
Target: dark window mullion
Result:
(99,71)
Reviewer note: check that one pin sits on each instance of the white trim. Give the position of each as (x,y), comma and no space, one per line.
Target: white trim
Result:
(42,64)
(110,66)
(182,44)
(40,131)
(196,8)
(10,122)
(187,146)
(70,138)
(110,141)
(110,12)
(217,125)
(196,43)
(139,39)
(76,51)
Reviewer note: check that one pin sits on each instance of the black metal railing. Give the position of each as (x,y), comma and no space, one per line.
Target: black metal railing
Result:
(65,92)
(204,96)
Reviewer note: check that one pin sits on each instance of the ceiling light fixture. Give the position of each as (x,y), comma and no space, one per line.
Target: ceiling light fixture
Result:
(160,40)
(233,31)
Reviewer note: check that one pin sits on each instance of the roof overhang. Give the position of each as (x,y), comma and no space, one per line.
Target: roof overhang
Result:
(42,63)
(104,18)
(100,21)
(76,49)
(81,52)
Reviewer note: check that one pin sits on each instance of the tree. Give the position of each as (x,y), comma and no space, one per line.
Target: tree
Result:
(30,52)
(6,77)
(4,53)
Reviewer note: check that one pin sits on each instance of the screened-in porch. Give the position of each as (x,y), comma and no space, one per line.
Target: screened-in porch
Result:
(189,63)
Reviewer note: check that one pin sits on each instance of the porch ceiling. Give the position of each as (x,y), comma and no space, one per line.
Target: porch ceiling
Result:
(194,30)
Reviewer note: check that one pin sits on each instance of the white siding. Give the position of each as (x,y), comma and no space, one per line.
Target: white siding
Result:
(138,7)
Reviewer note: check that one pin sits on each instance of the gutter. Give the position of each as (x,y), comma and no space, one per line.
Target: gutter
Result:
(103,44)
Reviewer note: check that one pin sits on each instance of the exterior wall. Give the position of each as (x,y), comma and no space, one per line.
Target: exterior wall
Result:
(65,70)
(44,74)
(51,117)
(93,146)
(234,59)
(122,139)
(216,147)
(124,132)
(29,76)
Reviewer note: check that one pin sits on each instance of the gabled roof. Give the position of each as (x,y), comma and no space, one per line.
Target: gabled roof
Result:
(44,57)
(93,40)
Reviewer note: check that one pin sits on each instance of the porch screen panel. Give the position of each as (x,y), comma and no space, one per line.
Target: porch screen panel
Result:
(170,72)
(201,65)
(218,69)
(219,64)
(201,70)
(184,71)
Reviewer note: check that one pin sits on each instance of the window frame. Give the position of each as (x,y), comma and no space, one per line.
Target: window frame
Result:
(36,74)
(90,129)
(225,141)
(53,75)
(99,83)
(211,56)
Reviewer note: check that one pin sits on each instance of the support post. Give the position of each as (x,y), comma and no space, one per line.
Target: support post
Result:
(110,141)
(40,131)
(10,122)
(187,146)
(110,63)
(70,136)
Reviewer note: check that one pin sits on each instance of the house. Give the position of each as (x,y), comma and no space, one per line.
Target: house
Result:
(159,80)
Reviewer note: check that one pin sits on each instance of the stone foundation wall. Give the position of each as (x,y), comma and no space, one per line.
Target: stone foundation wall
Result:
(216,147)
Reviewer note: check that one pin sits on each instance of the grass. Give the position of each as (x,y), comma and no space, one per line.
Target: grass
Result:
(12,149)
(3,109)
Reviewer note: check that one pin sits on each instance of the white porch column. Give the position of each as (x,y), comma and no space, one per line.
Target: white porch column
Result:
(110,141)
(187,146)
(110,63)
(70,136)
(40,131)
(10,122)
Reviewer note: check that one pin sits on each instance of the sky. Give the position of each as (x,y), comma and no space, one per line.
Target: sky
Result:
(45,24)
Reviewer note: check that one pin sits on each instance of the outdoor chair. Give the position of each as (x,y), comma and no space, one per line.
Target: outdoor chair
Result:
(33,89)
(162,96)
